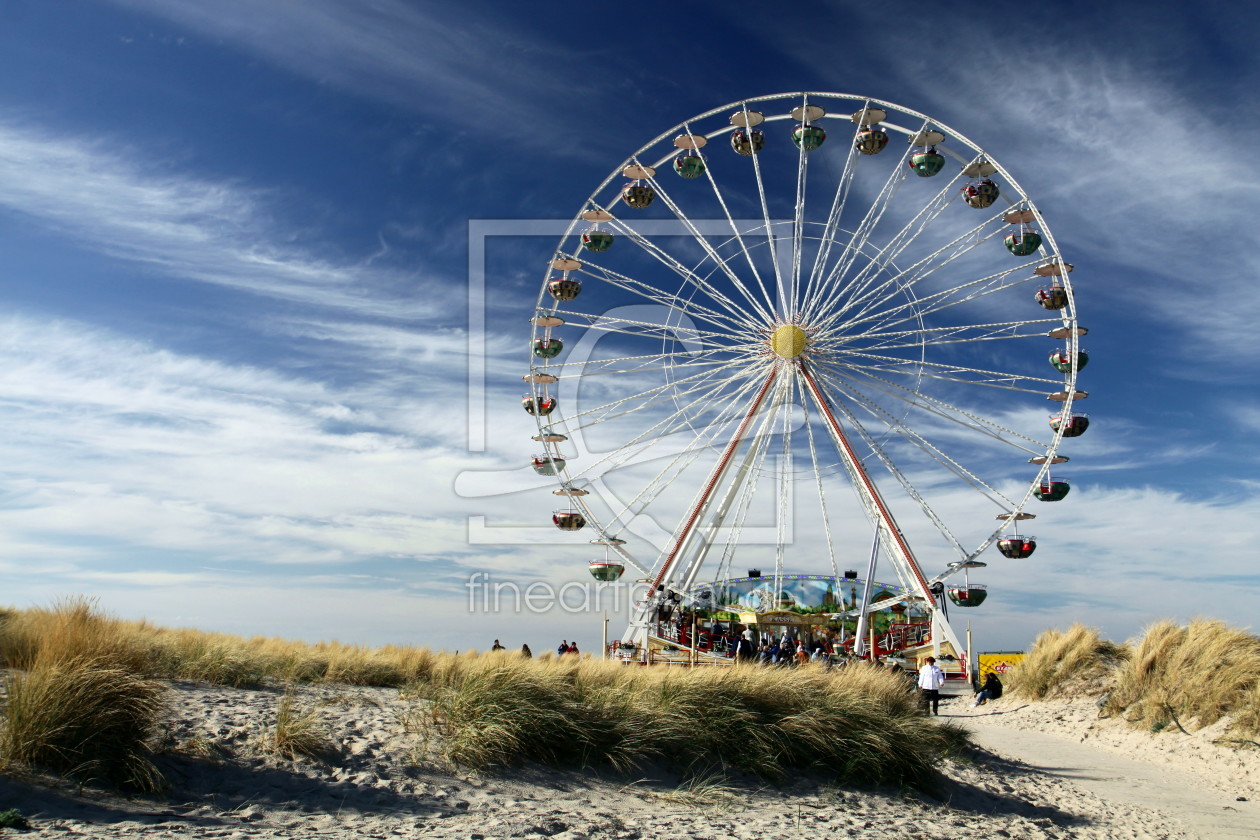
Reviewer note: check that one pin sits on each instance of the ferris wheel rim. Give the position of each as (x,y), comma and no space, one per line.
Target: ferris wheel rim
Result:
(1024,205)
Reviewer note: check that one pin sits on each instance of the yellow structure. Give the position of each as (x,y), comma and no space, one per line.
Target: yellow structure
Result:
(999,662)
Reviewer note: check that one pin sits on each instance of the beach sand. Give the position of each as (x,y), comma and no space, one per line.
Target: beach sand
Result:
(381,780)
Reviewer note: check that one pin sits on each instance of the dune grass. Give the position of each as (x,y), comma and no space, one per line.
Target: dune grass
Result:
(77,628)
(298,733)
(483,710)
(1179,676)
(84,717)
(1191,676)
(855,724)
(1065,664)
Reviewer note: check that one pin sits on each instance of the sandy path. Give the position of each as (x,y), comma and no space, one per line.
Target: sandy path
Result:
(1205,805)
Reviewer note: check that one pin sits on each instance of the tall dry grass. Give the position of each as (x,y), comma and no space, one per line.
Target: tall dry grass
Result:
(1190,676)
(77,628)
(1066,664)
(855,724)
(1173,675)
(84,717)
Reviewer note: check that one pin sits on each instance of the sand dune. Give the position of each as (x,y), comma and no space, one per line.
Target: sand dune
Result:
(380,780)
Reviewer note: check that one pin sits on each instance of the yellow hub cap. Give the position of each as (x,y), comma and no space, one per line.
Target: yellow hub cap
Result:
(788,341)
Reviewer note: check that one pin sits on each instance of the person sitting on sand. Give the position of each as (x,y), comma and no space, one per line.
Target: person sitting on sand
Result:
(564,647)
(572,648)
(526,652)
(497,646)
(991,690)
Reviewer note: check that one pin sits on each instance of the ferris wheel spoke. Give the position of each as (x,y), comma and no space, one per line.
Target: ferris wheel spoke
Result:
(870,296)
(738,236)
(949,373)
(616,323)
(753,466)
(771,245)
(733,485)
(685,304)
(907,486)
(854,248)
(652,363)
(946,411)
(683,456)
(834,282)
(940,336)
(818,470)
(654,396)
(859,287)
(790,306)
(728,307)
(885,419)
(936,303)
(814,285)
(722,264)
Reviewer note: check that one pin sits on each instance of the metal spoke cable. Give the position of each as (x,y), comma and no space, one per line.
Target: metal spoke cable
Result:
(931,304)
(948,411)
(691,450)
(940,336)
(733,310)
(743,246)
(914,438)
(803,400)
(669,300)
(830,230)
(892,364)
(856,244)
(770,239)
(707,247)
(601,413)
(753,467)
(855,289)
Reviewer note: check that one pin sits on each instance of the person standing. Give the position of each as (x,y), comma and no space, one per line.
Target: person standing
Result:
(931,678)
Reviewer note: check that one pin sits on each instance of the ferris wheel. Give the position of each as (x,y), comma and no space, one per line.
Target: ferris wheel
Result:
(788,333)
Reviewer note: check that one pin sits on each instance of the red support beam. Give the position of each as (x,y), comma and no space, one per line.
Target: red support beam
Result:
(716,476)
(872,491)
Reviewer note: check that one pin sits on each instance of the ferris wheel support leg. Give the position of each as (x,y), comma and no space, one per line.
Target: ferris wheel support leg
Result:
(875,502)
(866,487)
(640,621)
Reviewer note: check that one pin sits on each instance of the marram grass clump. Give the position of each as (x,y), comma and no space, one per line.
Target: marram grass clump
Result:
(1066,664)
(1190,676)
(84,717)
(1173,678)
(857,724)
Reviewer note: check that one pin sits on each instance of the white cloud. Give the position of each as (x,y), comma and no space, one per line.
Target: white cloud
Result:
(181,226)
(446,61)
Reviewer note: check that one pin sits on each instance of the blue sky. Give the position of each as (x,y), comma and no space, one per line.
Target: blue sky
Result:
(234,269)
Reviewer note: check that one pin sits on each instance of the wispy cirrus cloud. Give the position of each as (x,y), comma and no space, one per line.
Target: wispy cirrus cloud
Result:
(183,226)
(445,61)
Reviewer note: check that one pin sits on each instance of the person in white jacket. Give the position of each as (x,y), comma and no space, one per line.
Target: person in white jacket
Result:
(931,678)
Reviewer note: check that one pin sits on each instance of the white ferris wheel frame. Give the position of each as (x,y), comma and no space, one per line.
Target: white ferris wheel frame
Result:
(750,307)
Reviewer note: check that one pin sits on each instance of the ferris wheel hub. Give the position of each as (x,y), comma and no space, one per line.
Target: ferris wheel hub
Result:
(788,341)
